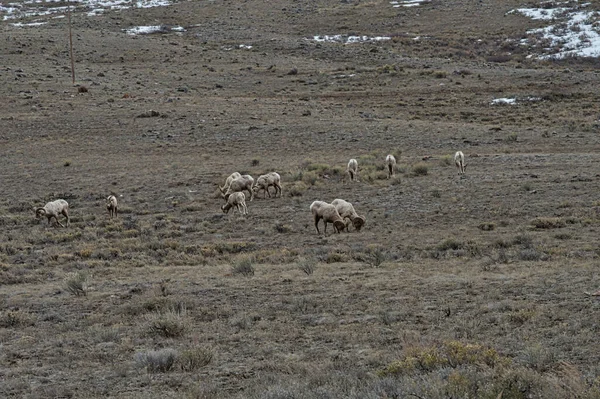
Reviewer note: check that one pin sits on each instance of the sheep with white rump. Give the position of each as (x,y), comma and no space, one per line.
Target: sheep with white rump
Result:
(238,200)
(111,205)
(459,161)
(231,177)
(266,181)
(390,163)
(244,182)
(352,169)
(53,209)
(346,211)
(327,212)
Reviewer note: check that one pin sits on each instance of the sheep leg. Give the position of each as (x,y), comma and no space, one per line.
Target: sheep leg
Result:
(58,221)
(277,187)
(66,214)
(245,208)
(317,223)
(267,190)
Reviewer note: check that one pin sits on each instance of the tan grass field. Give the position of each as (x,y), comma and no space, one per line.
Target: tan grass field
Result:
(457,287)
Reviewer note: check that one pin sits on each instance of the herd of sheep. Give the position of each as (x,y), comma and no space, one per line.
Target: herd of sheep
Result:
(340,213)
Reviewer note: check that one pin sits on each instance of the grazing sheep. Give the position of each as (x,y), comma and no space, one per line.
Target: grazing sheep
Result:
(327,212)
(231,177)
(459,161)
(53,209)
(237,199)
(346,211)
(352,169)
(266,181)
(242,183)
(111,205)
(390,162)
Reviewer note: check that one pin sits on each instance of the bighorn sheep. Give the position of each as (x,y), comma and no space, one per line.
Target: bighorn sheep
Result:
(266,181)
(239,184)
(346,211)
(53,209)
(111,205)
(231,177)
(459,161)
(327,212)
(237,199)
(390,162)
(352,169)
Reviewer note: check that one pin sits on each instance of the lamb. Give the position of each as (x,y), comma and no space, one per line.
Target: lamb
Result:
(390,162)
(111,205)
(266,181)
(459,161)
(231,177)
(346,211)
(53,209)
(237,199)
(239,184)
(327,212)
(352,169)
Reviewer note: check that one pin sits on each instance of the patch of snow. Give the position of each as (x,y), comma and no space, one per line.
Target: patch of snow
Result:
(349,39)
(576,32)
(245,46)
(146,30)
(40,8)
(499,101)
(22,25)
(407,3)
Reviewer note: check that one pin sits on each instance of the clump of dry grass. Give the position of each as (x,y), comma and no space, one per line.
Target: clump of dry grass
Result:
(548,223)
(76,283)
(420,169)
(194,359)
(307,266)
(448,354)
(16,318)
(171,323)
(243,266)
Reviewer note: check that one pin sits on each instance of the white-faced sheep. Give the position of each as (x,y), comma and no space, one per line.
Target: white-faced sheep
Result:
(240,184)
(237,199)
(327,212)
(390,163)
(111,205)
(352,169)
(459,161)
(346,211)
(53,209)
(266,181)
(231,177)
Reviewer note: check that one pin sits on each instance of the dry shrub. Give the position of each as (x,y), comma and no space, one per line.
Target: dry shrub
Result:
(77,283)
(16,318)
(194,359)
(487,226)
(160,361)
(449,354)
(307,266)
(420,169)
(171,323)
(243,266)
(548,223)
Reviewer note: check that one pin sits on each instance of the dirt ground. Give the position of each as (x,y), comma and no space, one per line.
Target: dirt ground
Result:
(176,299)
